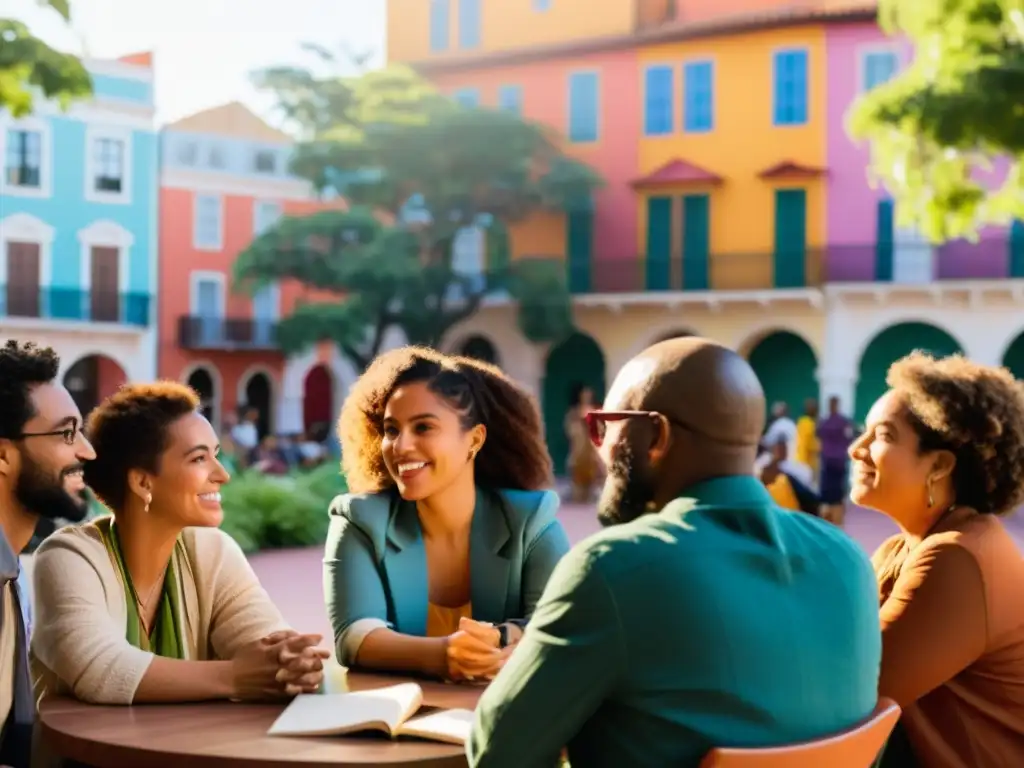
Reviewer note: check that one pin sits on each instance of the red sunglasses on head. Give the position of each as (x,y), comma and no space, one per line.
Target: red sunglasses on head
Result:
(597,421)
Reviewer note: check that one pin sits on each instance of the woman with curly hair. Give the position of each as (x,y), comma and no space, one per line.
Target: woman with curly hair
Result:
(943,456)
(449,535)
(155,603)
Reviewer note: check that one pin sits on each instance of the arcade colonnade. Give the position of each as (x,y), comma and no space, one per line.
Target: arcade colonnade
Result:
(838,342)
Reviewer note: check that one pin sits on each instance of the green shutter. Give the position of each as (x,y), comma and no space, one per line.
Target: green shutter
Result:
(1017,249)
(790,238)
(884,241)
(659,243)
(696,242)
(580,237)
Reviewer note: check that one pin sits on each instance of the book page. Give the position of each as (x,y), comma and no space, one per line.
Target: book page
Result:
(450,726)
(382,709)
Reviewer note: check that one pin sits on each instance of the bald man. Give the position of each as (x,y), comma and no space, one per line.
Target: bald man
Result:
(704,615)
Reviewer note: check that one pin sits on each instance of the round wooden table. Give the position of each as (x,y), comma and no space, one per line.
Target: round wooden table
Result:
(222,734)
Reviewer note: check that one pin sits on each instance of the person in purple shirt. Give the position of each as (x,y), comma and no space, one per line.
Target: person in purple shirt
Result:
(835,433)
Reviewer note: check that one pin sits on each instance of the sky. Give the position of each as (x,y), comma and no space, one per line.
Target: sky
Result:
(206,49)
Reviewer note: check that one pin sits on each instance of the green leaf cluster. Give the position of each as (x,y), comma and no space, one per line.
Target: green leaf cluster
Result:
(936,129)
(29,66)
(270,512)
(414,168)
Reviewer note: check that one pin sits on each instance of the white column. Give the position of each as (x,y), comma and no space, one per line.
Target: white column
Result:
(837,369)
(289,413)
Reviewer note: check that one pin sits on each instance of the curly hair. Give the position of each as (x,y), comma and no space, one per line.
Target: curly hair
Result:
(22,366)
(128,430)
(976,412)
(514,456)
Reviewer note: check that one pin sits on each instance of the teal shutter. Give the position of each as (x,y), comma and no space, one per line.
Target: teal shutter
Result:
(884,241)
(790,238)
(696,242)
(579,247)
(1017,249)
(659,243)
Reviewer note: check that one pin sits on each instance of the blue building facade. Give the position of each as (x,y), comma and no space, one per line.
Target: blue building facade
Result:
(78,228)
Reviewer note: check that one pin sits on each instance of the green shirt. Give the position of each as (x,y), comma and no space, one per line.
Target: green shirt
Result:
(723,620)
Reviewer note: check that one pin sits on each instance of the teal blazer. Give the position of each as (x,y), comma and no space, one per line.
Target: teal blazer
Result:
(375,567)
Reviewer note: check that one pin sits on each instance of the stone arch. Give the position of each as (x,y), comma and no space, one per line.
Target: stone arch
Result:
(92,378)
(211,397)
(479,347)
(889,345)
(1013,356)
(257,388)
(577,360)
(787,367)
(293,384)
(751,336)
(676,333)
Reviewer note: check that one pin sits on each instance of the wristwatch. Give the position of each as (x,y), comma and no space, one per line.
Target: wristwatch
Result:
(502,635)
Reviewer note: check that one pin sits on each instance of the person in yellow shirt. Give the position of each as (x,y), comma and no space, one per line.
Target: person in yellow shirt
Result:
(808,448)
(785,489)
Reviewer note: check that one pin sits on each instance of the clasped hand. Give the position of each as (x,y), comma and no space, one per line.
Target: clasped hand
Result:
(281,664)
(473,652)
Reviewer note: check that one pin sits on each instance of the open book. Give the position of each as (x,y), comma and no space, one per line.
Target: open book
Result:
(388,710)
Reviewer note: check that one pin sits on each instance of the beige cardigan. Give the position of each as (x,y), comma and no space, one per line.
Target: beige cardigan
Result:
(78,642)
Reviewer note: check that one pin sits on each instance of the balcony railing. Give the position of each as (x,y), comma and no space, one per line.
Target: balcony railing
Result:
(903,263)
(221,333)
(72,304)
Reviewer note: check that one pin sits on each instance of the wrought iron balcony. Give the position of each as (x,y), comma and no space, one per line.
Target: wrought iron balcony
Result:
(224,333)
(906,263)
(75,305)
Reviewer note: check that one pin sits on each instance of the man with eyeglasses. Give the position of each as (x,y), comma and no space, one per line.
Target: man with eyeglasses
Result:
(42,455)
(704,615)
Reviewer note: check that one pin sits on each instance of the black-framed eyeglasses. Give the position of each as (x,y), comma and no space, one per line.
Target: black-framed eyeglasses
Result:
(70,434)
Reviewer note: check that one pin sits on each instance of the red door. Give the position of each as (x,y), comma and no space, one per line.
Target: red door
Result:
(23,279)
(104,297)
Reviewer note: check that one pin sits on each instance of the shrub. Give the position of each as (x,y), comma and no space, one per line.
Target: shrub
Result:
(269,512)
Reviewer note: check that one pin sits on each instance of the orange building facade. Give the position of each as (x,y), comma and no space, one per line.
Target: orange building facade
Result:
(224,179)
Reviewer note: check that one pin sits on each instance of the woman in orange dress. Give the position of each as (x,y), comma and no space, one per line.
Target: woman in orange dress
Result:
(942,455)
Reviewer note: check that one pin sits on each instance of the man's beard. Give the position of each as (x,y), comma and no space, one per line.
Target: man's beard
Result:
(43,494)
(628,489)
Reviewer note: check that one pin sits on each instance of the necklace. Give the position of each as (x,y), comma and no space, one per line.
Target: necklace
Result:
(143,605)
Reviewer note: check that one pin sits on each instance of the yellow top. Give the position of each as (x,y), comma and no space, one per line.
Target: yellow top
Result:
(808,447)
(443,621)
(782,492)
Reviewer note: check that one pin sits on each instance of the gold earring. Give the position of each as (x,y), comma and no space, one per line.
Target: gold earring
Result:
(149,499)
(931,499)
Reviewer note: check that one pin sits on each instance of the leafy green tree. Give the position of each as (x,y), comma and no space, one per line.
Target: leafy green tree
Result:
(27,63)
(936,128)
(416,168)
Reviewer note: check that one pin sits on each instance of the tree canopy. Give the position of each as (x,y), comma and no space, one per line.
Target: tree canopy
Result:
(27,64)
(936,128)
(415,170)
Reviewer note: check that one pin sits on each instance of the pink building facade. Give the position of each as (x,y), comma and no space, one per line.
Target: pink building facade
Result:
(864,243)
